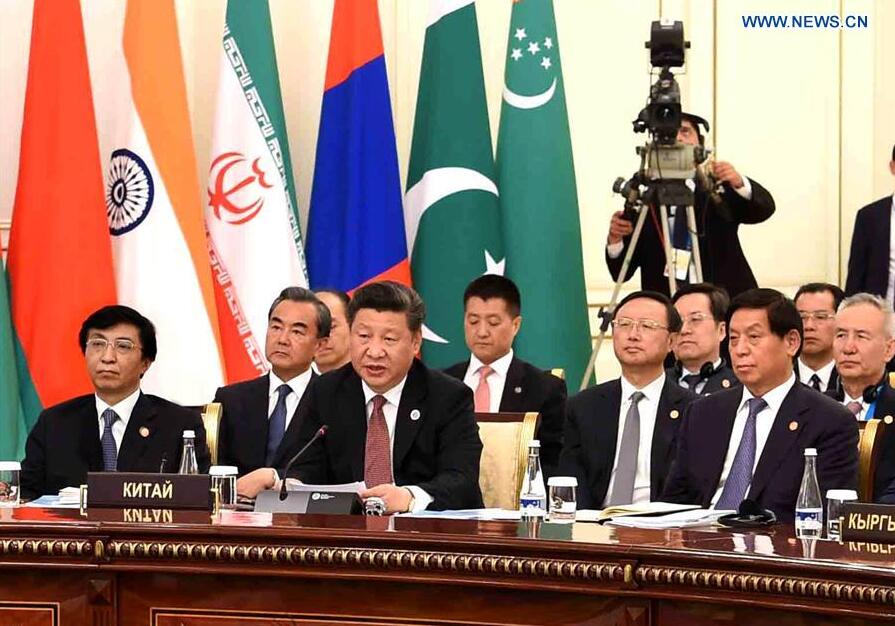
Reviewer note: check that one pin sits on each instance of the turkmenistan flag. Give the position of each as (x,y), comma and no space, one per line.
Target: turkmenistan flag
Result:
(538,199)
(251,213)
(12,420)
(451,206)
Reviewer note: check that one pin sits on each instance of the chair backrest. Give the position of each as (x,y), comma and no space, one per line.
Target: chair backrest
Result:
(505,438)
(869,450)
(211,420)
(559,372)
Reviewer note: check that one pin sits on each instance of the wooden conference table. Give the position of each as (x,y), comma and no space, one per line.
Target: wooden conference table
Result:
(143,567)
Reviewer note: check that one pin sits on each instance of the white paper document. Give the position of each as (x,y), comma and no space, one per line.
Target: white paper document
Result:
(681,519)
(293,484)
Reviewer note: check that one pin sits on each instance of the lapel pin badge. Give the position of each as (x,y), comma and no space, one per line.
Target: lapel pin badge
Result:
(725,383)
(144,432)
(675,414)
(887,419)
(415,414)
(793,425)
(517,390)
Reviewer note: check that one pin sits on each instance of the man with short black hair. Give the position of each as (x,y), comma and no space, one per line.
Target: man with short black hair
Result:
(501,381)
(333,352)
(117,427)
(750,442)
(742,201)
(258,413)
(700,367)
(407,431)
(817,304)
(619,435)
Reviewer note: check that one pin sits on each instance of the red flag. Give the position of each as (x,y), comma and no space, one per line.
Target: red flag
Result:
(60,256)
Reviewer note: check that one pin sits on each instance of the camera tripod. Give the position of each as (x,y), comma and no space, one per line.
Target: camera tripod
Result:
(607,312)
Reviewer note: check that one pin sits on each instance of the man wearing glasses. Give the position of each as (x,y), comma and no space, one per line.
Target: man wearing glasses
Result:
(749,443)
(117,427)
(817,304)
(700,367)
(619,435)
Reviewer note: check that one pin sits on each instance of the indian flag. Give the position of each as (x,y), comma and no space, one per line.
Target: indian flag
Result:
(250,211)
(153,205)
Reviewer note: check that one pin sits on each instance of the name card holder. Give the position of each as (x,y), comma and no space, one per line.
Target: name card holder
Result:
(873,523)
(144,490)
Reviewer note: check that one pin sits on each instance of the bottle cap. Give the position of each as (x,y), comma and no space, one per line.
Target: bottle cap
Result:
(810,451)
(562,481)
(223,470)
(10,466)
(189,433)
(842,494)
(534,443)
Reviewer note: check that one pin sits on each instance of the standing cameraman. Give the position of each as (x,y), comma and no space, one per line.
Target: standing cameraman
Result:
(742,201)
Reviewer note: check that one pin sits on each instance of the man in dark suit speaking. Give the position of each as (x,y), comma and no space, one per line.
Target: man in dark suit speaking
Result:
(750,442)
(116,428)
(619,435)
(501,381)
(743,201)
(407,431)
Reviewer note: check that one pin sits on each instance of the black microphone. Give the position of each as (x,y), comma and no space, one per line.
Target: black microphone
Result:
(161,468)
(320,432)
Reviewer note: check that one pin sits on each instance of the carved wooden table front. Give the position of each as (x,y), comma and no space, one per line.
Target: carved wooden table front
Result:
(145,567)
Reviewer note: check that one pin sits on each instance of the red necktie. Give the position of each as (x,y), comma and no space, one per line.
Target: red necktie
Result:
(377,453)
(483,391)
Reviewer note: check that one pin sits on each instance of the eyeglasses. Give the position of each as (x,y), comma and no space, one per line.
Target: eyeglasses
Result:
(695,318)
(627,325)
(820,316)
(98,345)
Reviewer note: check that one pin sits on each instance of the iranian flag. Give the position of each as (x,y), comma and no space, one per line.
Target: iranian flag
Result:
(451,205)
(538,197)
(251,213)
(153,204)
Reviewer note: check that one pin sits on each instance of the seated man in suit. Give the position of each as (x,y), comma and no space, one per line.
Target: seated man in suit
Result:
(817,304)
(700,367)
(619,435)
(117,427)
(257,413)
(750,442)
(333,352)
(407,431)
(501,380)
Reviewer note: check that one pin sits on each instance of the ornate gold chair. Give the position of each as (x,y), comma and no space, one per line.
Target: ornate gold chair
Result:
(505,438)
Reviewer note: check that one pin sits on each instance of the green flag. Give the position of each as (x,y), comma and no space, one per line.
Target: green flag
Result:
(538,199)
(12,420)
(451,206)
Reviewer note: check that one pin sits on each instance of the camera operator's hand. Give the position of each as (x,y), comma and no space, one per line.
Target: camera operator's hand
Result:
(619,228)
(725,173)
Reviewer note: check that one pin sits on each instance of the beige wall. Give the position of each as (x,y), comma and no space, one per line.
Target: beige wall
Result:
(808,113)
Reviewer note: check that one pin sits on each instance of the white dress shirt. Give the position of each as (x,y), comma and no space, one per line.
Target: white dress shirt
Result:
(496,380)
(648,406)
(421,499)
(614,250)
(890,290)
(864,405)
(805,374)
(701,384)
(763,422)
(124,409)
(298,385)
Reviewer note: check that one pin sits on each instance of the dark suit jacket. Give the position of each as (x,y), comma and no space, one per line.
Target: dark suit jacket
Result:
(439,451)
(64,444)
(242,438)
(834,389)
(528,388)
(884,477)
(721,379)
(868,261)
(723,261)
(591,434)
(820,422)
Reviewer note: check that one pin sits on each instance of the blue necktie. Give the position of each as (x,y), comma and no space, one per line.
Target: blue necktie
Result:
(680,234)
(276,427)
(110,450)
(740,476)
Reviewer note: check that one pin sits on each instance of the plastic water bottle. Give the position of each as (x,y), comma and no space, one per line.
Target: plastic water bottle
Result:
(188,463)
(809,507)
(533,497)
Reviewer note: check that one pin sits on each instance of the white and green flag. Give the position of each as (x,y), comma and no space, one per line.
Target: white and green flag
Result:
(251,212)
(451,205)
(538,198)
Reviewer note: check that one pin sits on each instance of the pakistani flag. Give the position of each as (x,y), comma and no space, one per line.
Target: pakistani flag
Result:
(539,202)
(251,213)
(451,206)
(12,420)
